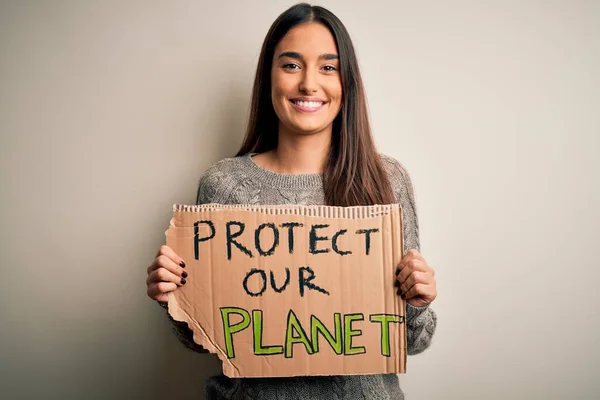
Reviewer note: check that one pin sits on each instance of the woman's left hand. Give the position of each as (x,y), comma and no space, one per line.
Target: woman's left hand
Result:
(416,280)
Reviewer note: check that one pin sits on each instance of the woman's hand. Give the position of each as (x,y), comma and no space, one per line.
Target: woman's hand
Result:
(416,280)
(165,274)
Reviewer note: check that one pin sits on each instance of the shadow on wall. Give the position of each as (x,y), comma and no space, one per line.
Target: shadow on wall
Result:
(181,373)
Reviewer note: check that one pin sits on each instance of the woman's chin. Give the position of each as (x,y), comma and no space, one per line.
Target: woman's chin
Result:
(309,129)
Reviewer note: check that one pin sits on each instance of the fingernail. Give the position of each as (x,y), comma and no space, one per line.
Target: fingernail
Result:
(182,264)
(403,296)
(399,292)
(183,281)
(184,274)
(397,270)
(396,283)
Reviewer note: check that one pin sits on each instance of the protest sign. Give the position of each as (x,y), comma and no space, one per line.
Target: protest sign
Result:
(292,290)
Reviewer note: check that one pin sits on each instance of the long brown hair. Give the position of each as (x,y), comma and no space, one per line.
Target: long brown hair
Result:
(353,174)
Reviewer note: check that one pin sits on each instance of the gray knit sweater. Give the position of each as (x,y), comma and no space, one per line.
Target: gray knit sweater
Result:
(240,180)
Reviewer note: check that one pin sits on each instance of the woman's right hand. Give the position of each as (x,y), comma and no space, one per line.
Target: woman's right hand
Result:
(165,274)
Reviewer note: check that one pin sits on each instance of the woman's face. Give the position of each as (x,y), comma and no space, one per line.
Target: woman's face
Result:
(306,88)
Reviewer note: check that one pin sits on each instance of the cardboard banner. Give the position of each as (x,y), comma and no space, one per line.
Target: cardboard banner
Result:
(280,291)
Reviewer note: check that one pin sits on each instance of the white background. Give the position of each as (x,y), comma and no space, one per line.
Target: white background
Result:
(111,110)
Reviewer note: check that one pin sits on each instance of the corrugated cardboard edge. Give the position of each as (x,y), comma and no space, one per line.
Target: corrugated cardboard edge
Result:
(318,211)
(402,306)
(201,338)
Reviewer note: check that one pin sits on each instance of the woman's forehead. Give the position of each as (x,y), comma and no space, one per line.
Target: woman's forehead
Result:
(309,39)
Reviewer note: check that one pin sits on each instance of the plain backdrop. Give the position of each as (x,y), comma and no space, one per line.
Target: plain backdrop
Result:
(111,110)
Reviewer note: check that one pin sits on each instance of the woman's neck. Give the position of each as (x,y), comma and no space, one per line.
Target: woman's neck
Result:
(297,154)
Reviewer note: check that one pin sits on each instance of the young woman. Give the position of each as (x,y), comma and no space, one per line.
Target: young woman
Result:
(309,142)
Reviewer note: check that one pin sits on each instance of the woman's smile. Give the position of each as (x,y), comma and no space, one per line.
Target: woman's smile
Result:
(305,104)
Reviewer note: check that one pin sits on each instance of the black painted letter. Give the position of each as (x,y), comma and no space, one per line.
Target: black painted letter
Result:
(314,239)
(275,239)
(198,239)
(305,281)
(263,277)
(287,281)
(334,243)
(367,233)
(291,226)
(231,236)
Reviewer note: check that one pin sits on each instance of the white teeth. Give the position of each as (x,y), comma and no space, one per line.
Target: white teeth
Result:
(309,104)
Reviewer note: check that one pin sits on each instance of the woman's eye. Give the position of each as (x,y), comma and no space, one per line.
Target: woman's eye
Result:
(291,66)
(329,68)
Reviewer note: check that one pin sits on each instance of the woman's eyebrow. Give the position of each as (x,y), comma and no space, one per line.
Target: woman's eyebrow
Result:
(296,55)
(329,56)
(291,54)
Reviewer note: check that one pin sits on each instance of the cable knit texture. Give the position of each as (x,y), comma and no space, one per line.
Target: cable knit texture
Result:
(240,180)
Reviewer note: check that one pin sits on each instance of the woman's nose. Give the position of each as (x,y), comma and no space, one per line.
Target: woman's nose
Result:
(308,83)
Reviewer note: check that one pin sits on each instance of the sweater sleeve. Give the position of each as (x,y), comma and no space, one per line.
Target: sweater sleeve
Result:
(420,321)
(206,190)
